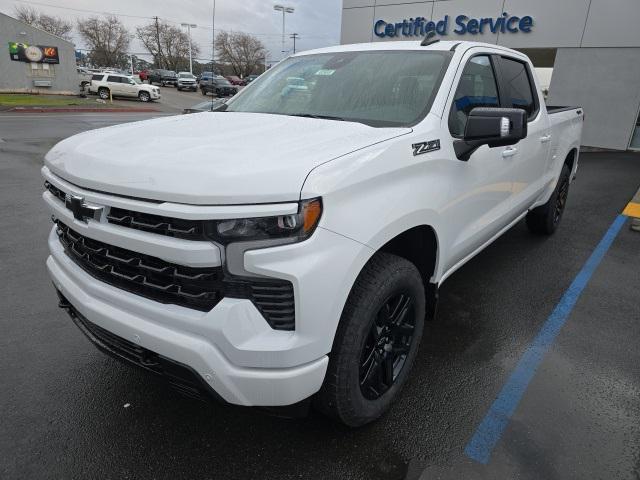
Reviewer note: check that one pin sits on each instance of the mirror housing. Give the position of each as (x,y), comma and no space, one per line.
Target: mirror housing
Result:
(495,127)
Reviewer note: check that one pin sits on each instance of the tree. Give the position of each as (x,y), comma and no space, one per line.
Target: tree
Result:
(54,25)
(243,52)
(168,44)
(108,40)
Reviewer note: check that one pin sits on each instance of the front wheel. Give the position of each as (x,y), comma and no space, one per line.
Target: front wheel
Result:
(546,218)
(376,342)
(144,96)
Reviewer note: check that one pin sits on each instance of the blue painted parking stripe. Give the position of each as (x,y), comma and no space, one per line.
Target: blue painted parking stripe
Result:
(492,426)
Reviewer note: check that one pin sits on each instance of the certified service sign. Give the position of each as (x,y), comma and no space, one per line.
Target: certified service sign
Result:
(21,52)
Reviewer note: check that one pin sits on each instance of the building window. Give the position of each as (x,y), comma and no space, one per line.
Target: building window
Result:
(41,70)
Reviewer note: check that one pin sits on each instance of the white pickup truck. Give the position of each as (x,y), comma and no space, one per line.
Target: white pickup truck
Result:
(287,249)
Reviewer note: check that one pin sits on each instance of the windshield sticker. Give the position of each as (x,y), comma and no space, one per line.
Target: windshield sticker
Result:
(325,72)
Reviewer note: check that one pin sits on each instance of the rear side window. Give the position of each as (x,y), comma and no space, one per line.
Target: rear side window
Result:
(517,84)
(477,88)
(97,77)
(114,79)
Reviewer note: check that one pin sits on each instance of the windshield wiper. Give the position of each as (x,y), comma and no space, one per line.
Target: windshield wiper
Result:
(323,117)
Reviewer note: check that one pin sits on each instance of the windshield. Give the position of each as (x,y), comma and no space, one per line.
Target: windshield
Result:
(136,80)
(186,75)
(222,81)
(377,88)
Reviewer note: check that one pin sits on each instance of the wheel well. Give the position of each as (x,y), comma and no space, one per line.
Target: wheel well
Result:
(419,245)
(570,161)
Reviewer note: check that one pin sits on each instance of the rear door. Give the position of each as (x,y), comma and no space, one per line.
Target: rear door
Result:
(528,157)
(113,82)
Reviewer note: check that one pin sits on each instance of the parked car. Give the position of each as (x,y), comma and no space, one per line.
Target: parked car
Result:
(162,77)
(297,252)
(187,81)
(251,78)
(206,76)
(206,106)
(85,76)
(235,80)
(219,86)
(107,85)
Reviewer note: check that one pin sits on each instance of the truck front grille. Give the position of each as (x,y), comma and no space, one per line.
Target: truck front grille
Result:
(196,288)
(151,277)
(147,222)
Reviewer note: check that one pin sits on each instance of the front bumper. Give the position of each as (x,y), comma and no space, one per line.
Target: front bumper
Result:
(231,347)
(190,86)
(140,322)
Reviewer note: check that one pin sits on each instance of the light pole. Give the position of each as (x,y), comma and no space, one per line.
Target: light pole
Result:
(295,36)
(284,10)
(189,27)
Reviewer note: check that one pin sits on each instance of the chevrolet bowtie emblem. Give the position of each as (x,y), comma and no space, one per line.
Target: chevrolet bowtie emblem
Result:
(82,211)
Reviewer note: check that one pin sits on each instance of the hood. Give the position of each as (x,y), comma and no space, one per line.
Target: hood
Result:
(209,158)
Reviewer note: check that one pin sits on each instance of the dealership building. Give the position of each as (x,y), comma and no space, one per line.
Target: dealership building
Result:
(34,60)
(593,47)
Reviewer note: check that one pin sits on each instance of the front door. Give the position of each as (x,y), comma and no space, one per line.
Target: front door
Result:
(480,195)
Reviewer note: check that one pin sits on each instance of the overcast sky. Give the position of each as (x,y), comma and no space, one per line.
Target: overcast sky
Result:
(317,21)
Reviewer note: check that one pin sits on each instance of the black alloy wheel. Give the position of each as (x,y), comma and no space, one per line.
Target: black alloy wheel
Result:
(387,346)
(561,200)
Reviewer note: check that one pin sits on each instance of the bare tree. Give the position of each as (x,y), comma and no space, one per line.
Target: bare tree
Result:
(243,52)
(168,44)
(108,40)
(54,25)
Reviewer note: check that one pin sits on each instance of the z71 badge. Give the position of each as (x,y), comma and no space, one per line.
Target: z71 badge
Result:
(425,147)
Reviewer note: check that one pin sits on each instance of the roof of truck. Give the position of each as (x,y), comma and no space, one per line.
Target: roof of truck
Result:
(443,45)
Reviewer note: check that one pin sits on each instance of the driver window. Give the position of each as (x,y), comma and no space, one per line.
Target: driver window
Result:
(477,88)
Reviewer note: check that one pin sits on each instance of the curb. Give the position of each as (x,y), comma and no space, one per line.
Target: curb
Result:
(80,110)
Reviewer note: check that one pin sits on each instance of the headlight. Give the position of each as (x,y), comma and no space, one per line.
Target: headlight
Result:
(291,228)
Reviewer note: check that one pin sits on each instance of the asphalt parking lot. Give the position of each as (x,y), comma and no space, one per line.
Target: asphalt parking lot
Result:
(68,411)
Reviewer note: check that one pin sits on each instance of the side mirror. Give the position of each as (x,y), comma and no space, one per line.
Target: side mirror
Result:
(496,127)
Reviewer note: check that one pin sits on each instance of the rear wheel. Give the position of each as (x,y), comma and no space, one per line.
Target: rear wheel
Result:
(376,343)
(546,218)
(103,93)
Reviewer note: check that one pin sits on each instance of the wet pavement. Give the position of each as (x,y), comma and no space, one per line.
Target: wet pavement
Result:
(68,411)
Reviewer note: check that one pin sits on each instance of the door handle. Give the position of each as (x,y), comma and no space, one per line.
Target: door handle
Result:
(545,139)
(509,152)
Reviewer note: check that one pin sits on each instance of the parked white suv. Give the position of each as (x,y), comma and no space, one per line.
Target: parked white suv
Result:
(118,85)
(290,245)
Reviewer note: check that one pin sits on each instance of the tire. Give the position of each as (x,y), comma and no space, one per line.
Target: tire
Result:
(366,343)
(103,93)
(544,220)
(144,97)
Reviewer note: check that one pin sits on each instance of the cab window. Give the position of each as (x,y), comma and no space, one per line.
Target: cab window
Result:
(517,83)
(477,88)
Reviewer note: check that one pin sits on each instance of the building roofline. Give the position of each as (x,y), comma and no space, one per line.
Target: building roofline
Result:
(39,29)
